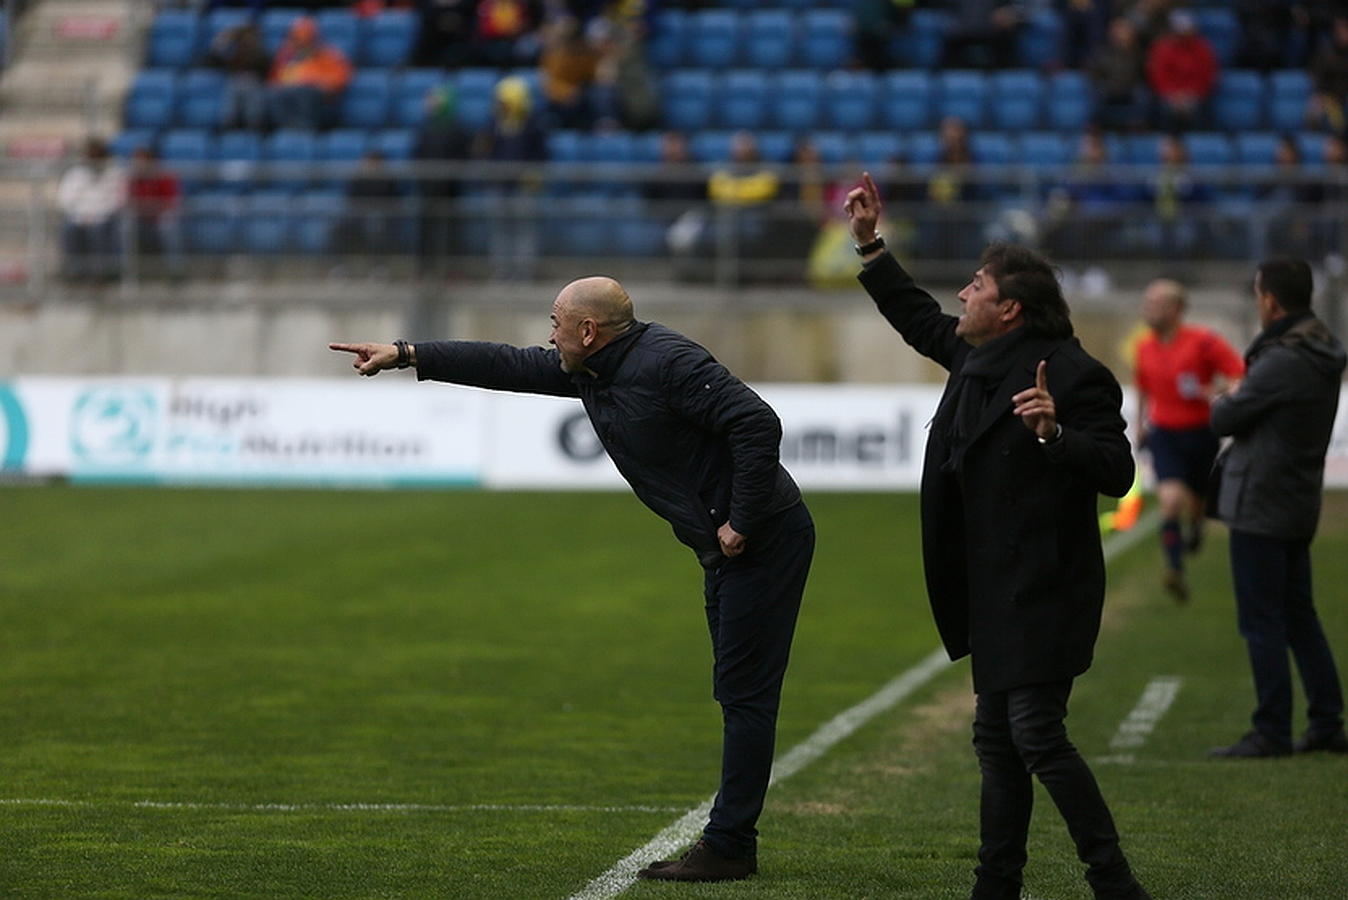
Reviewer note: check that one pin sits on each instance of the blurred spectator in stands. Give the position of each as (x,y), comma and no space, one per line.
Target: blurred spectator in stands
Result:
(1175,192)
(877,22)
(91,196)
(308,77)
(982,33)
(1083,213)
(154,196)
(440,139)
(677,196)
(1182,70)
(1268,37)
(514,136)
(240,53)
(568,68)
(1329,67)
(1085,28)
(624,91)
(446,34)
(1150,18)
(507,32)
(1285,225)
(1116,72)
(372,225)
(741,190)
(944,229)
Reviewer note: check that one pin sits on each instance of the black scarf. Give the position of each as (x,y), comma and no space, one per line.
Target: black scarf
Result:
(984,369)
(1273,332)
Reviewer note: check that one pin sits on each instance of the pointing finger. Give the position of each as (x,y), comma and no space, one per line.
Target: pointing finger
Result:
(1041,376)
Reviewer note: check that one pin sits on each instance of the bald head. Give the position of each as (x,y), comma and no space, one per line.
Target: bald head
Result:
(1163,305)
(587,314)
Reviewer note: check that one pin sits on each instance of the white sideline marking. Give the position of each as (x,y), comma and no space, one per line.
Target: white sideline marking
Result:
(340,807)
(623,873)
(1138,726)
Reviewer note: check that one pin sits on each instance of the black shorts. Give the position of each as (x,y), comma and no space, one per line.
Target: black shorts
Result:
(1185,454)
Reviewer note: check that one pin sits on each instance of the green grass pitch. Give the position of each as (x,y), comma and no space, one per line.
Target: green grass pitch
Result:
(365,694)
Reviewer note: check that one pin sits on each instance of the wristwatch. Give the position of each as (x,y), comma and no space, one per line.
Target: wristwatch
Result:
(867,249)
(1057,435)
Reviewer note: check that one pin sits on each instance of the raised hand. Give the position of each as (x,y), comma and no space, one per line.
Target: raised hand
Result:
(1035,405)
(863,209)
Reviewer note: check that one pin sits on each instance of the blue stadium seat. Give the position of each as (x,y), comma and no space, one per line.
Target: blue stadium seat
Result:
(922,43)
(289,147)
(583,226)
(637,233)
(343,30)
(1256,148)
(211,222)
(612,147)
(776,146)
(268,221)
(475,96)
(276,25)
(794,100)
(242,146)
(710,146)
(1208,148)
(1222,29)
(395,144)
(646,147)
(566,146)
(409,94)
(742,100)
(190,145)
(850,100)
(713,39)
(1140,150)
(687,99)
(1071,101)
(1238,103)
(368,99)
(390,38)
(1045,150)
(1289,94)
(128,142)
(173,39)
(834,146)
(923,148)
(875,148)
(1039,42)
(201,97)
(1312,148)
(769,39)
(962,94)
(825,39)
(342,145)
(992,148)
(1017,100)
(906,100)
(318,212)
(149,103)
(668,37)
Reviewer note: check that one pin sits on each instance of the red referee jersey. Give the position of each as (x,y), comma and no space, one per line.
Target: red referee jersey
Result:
(1174,376)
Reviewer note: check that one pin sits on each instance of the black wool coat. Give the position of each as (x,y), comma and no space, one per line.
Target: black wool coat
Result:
(1011,548)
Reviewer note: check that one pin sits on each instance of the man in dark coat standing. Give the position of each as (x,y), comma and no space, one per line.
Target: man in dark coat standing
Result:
(1280,419)
(1027,434)
(702,451)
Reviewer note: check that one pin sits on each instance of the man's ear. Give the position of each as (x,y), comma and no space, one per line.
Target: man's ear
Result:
(1011,311)
(589,331)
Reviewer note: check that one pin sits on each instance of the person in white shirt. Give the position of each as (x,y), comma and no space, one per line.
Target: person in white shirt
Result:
(91,197)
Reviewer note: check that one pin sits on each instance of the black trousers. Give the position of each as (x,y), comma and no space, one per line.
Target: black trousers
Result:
(1019,734)
(752,603)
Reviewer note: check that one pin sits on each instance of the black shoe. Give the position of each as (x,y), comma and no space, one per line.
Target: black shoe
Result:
(1252,746)
(700,863)
(1174,583)
(1334,742)
(1194,542)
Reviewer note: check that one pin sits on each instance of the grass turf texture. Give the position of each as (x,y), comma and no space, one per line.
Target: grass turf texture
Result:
(235,649)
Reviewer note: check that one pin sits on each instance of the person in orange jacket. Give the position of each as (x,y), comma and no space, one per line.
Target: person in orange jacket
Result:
(307,77)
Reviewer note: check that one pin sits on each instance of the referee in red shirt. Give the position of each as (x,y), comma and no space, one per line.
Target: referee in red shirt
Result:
(1179,368)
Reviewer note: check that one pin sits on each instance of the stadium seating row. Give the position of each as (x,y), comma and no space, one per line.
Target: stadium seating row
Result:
(1046,150)
(793,100)
(180,38)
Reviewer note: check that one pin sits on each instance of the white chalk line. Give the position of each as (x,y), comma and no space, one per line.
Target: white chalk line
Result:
(335,807)
(622,874)
(1134,730)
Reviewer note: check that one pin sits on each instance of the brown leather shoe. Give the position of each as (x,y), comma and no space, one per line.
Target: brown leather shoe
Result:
(700,863)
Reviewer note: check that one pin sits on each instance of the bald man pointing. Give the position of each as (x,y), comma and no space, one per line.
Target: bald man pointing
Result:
(701,450)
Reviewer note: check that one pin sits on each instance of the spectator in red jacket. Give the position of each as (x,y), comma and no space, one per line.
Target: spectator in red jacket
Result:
(1182,71)
(154,195)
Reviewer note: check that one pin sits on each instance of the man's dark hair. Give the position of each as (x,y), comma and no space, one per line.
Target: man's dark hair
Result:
(1025,276)
(1289,280)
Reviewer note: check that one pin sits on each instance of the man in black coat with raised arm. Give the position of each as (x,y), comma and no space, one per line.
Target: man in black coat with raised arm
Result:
(701,450)
(1027,434)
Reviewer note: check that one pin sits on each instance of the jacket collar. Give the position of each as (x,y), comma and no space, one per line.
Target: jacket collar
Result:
(603,364)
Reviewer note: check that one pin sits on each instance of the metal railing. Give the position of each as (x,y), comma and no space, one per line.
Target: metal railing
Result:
(404,220)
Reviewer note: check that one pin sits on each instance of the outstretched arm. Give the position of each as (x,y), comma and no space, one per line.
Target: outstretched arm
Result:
(483,364)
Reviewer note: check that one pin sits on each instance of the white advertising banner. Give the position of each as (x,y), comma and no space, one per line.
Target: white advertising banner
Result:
(389,432)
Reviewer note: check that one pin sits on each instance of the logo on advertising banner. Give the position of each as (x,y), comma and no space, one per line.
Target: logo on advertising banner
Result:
(577,440)
(14,441)
(113,426)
